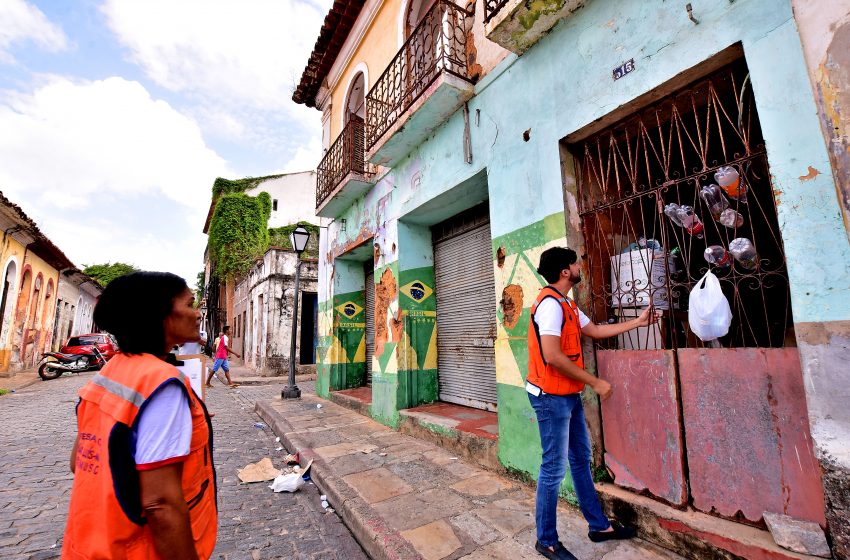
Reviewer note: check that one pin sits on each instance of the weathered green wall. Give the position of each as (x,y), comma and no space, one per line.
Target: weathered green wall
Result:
(521,112)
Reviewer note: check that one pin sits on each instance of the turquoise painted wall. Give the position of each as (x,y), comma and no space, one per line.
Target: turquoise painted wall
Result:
(563,84)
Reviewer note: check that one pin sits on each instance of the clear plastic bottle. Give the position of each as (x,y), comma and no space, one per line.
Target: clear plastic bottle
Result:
(744,252)
(672,212)
(731,219)
(730,181)
(690,221)
(718,256)
(714,200)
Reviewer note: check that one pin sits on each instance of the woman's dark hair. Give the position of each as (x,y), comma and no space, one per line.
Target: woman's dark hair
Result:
(553,261)
(134,307)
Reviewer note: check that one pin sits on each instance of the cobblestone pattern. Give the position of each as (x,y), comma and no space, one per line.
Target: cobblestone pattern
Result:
(38,428)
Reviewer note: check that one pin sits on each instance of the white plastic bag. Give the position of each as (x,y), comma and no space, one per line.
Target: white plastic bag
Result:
(287,483)
(709,314)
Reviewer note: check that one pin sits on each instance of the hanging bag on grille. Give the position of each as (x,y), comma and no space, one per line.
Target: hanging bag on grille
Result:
(709,314)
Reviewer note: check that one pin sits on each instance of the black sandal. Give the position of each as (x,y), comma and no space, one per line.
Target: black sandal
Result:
(560,552)
(620,532)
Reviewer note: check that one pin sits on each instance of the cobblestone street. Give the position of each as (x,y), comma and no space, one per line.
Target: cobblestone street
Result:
(38,427)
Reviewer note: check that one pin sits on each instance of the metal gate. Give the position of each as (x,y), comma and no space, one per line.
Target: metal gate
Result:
(721,425)
(466,310)
(369,273)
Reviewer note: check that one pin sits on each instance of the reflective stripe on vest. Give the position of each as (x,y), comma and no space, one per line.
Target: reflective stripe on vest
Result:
(106,480)
(540,373)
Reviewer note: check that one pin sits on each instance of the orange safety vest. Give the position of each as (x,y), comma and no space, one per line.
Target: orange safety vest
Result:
(541,374)
(105,517)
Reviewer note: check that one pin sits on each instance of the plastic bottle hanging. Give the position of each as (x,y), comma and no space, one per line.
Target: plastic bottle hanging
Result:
(714,200)
(730,181)
(718,256)
(744,252)
(731,219)
(690,221)
(672,212)
(684,217)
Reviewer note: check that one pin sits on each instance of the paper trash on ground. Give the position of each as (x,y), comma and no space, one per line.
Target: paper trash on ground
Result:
(260,471)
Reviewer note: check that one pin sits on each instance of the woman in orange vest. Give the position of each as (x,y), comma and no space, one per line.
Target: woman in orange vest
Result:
(144,480)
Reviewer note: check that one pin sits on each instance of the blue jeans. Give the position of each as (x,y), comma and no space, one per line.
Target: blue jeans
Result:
(563,435)
(221,363)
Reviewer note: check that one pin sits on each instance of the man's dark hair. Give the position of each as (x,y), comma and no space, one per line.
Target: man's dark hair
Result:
(553,261)
(134,307)
(226,329)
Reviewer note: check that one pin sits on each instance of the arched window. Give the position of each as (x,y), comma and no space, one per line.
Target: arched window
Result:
(9,284)
(416,10)
(355,105)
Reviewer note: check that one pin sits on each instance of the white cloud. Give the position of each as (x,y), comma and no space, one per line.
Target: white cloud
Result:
(109,173)
(99,239)
(306,157)
(21,22)
(71,140)
(239,61)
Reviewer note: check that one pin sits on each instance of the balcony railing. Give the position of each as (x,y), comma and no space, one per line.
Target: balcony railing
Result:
(344,157)
(436,46)
(492,7)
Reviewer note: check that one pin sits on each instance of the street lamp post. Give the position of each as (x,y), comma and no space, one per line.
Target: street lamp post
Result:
(298,238)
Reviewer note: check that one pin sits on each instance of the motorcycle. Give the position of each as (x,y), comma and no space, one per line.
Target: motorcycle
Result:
(54,364)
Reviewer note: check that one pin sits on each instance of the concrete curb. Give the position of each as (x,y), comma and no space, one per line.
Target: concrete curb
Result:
(379,540)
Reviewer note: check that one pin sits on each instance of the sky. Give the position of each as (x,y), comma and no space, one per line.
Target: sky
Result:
(116,116)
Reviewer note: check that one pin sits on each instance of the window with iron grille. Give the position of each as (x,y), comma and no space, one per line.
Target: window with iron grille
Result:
(629,174)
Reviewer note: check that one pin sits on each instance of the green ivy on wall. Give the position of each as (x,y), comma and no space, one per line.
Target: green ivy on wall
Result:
(228,186)
(279,237)
(238,231)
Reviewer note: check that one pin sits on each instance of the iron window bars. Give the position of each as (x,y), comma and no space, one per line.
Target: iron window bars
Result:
(666,153)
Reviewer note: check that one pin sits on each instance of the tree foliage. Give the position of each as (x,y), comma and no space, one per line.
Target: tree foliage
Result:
(106,273)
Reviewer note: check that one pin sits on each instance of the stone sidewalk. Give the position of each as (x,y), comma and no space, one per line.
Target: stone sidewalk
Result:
(404,498)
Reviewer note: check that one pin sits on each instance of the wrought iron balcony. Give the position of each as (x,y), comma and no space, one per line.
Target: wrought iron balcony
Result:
(492,7)
(436,48)
(343,174)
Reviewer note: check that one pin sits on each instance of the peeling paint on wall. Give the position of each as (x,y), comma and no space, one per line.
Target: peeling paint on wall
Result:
(511,305)
(386,292)
(810,175)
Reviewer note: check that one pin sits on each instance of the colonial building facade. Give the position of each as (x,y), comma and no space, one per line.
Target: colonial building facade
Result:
(258,305)
(31,267)
(465,139)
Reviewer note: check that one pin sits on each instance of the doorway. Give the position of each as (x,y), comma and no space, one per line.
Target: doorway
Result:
(309,317)
(466,312)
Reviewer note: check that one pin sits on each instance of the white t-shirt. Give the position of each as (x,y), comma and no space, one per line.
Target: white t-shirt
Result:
(550,317)
(164,431)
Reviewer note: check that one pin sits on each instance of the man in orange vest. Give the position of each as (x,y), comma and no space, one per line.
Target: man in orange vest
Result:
(556,377)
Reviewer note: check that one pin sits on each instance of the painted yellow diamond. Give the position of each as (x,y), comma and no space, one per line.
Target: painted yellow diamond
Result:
(417,290)
(349,309)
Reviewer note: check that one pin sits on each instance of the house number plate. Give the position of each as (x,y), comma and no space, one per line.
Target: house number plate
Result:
(625,68)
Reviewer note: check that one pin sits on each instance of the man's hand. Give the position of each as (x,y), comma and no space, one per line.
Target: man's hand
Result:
(650,316)
(602,388)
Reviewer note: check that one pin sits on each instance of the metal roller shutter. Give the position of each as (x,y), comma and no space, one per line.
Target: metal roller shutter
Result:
(466,318)
(370,320)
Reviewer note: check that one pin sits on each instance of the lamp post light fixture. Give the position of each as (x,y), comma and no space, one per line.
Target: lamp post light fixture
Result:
(298,239)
